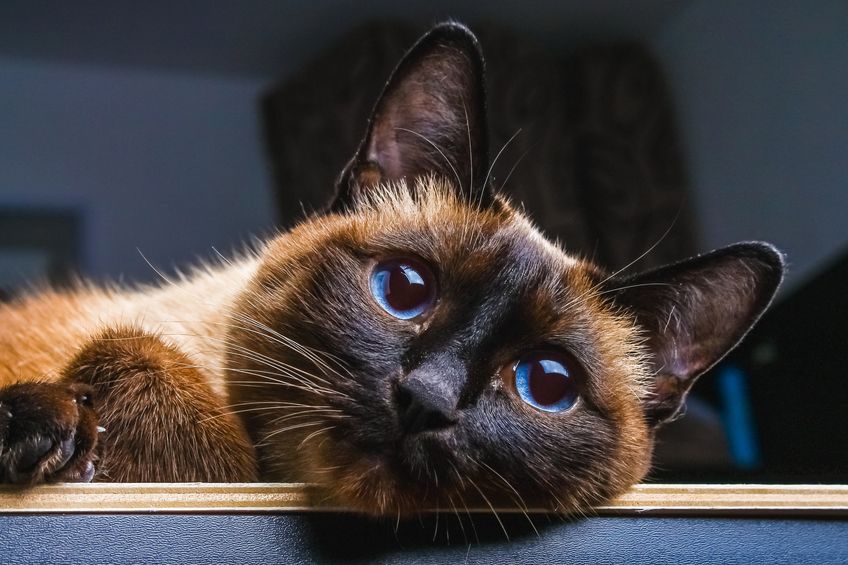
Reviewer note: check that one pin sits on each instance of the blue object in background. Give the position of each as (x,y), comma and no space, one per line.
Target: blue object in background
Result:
(738,420)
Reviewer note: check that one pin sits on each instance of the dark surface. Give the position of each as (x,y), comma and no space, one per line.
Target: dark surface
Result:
(330,538)
(798,387)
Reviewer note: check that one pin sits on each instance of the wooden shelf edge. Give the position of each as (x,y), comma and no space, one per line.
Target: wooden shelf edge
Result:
(249,498)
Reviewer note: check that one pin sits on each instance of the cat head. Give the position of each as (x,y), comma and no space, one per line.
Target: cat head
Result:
(421,344)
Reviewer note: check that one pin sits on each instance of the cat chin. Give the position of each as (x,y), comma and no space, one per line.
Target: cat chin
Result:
(376,485)
(373,490)
(368,486)
(381,487)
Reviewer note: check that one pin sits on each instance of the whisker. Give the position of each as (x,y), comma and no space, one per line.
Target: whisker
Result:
(472,198)
(462,500)
(254,409)
(155,270)
(282,369)
(495,512)
(645,253)
(271,378)
(328,413)
(515,166)
(459,519)
(222,257)
(284,340)
(523,505)
(289,428)
(497,517)
(620,288)
(594,288)
(494,162)
(269,361)
(436,147)
(274,402)
(314,434)
(270,334)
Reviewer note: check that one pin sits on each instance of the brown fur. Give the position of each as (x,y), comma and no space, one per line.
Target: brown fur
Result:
(281,365)
(156,350)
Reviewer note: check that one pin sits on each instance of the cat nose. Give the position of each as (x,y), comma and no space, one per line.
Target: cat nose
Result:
(422,405)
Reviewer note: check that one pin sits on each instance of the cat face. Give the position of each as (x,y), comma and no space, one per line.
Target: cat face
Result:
(421,344)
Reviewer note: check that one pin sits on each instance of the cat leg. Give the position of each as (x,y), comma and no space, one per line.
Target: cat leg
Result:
(163,421)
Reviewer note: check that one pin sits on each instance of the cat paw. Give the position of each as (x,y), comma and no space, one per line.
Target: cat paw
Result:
(48,432)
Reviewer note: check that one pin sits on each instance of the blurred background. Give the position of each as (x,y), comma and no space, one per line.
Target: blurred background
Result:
(159,131)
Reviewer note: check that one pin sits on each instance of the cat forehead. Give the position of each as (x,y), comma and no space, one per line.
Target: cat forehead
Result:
(491,262)
(429,219)
(492,248)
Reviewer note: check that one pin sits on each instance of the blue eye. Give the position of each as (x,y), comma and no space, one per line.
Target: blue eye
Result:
(546,381)
(404,288)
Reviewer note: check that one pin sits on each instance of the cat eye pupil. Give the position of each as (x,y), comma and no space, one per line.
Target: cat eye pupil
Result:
(546,382)
(403,287)
(406,288)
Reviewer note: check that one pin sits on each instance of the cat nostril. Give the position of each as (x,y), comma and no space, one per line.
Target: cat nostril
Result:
(403,398)
(421,409)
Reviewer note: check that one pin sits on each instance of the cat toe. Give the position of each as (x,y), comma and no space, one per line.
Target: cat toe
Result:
(85,474)
(33,452)
(47,434)
(39,458)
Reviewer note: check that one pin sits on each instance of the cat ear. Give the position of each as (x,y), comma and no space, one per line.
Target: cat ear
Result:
(695,311)
(430,119)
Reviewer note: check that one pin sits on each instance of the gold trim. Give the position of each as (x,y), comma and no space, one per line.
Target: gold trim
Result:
(731,499)
(801,500)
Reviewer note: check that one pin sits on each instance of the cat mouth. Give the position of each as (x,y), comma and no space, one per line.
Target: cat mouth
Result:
(408,457)
(385,487)
(401,474)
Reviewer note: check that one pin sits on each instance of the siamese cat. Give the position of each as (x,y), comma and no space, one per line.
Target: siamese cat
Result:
(418,344)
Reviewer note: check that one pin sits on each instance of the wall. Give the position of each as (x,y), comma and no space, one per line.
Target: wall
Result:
(762,90)
(167,164)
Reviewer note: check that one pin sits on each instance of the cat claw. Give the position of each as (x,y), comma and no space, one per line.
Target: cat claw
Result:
(84,475)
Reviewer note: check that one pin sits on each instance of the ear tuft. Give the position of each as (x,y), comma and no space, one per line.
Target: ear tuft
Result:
(694,312)
(430,119)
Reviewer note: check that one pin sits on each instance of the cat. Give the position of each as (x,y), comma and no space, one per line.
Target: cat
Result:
(418,344)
